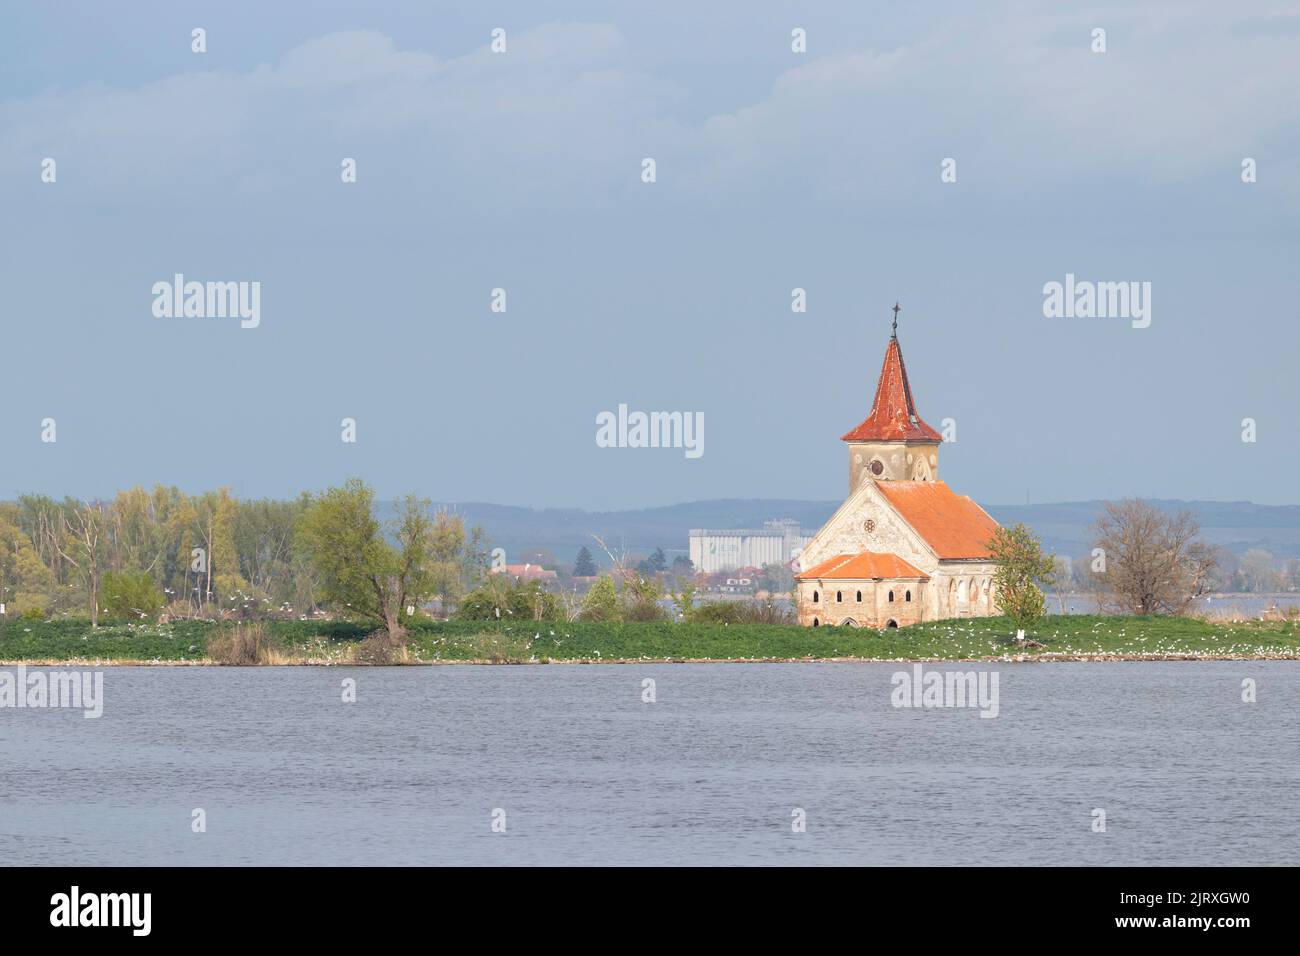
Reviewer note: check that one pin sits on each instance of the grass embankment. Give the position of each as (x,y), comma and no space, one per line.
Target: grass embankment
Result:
(1065,637)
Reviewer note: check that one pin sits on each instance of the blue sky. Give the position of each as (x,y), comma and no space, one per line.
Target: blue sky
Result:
(521,170)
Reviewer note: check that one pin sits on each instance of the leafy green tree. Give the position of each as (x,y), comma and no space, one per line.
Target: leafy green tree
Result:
(264,539)
(601,603)
(447,546)
(361,573)
(684,596)
(658,561)
(584,567)
(131,595)
(1023,571)
(25,582)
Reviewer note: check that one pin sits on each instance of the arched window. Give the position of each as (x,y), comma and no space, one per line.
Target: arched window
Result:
(816,623)
(839,597)
(891,597)
(816,597)
(859,597)
(908,596)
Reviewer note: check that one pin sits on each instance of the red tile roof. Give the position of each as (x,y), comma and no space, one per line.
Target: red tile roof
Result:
(953,525)
(868,564)
(893,414)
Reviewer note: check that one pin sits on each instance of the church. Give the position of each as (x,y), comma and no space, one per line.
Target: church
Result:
(904,547)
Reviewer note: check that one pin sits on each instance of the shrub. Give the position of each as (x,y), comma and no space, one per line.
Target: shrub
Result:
(717,612)
(381,649)
(500,598)
(601,603)
(130,597)
(766,612)
(741,612)
(243,645)
(644,611)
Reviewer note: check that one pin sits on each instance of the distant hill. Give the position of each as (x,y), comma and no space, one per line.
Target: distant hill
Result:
(1237,526)
(1064,528)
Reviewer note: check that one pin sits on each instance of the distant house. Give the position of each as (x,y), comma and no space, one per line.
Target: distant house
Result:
(525,572)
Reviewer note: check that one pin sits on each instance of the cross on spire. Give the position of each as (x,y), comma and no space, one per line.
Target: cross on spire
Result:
(896,311)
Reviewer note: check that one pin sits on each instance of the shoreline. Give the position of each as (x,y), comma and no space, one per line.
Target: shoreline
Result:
(1048,658)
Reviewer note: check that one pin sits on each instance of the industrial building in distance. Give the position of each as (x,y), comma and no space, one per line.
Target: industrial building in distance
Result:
(777,542)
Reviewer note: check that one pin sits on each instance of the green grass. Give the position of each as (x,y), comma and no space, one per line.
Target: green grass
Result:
(1074,635)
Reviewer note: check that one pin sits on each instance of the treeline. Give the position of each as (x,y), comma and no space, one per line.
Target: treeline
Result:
(638,593)
(147,553)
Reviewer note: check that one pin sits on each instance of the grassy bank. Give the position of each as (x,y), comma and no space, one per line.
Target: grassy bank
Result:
(1074,636)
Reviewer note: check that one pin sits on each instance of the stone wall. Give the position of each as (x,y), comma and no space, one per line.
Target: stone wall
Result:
(865,603)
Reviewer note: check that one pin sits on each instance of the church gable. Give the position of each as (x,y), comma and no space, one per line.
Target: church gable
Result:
(868,522)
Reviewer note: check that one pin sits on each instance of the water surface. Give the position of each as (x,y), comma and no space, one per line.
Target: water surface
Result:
(588,774)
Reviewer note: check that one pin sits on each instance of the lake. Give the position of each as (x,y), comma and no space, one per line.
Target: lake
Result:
(586,773)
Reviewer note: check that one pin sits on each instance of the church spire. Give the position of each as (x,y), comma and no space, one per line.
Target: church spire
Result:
(893,443)
(893,414)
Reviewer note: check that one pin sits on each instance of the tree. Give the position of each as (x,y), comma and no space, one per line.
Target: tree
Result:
(684,596)
(658,561)
(1291,577)
(776,578)
(446,545)
(26,584)
(360,570)
(82,545)
(131,595)
(1153,562)
(1022,573)
(584,567)
(1260,570)
(645,592)
(602,603)
(264,543)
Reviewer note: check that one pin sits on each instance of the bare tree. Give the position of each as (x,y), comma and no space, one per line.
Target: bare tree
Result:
(1153,563)
(83,526)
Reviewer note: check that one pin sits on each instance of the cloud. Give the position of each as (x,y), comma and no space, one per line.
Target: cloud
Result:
(1182,92)
(552,111)
(563,119)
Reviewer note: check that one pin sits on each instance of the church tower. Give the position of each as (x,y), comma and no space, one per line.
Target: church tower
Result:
(893,443)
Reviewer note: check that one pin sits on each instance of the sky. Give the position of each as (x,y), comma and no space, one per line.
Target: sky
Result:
(522,170)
